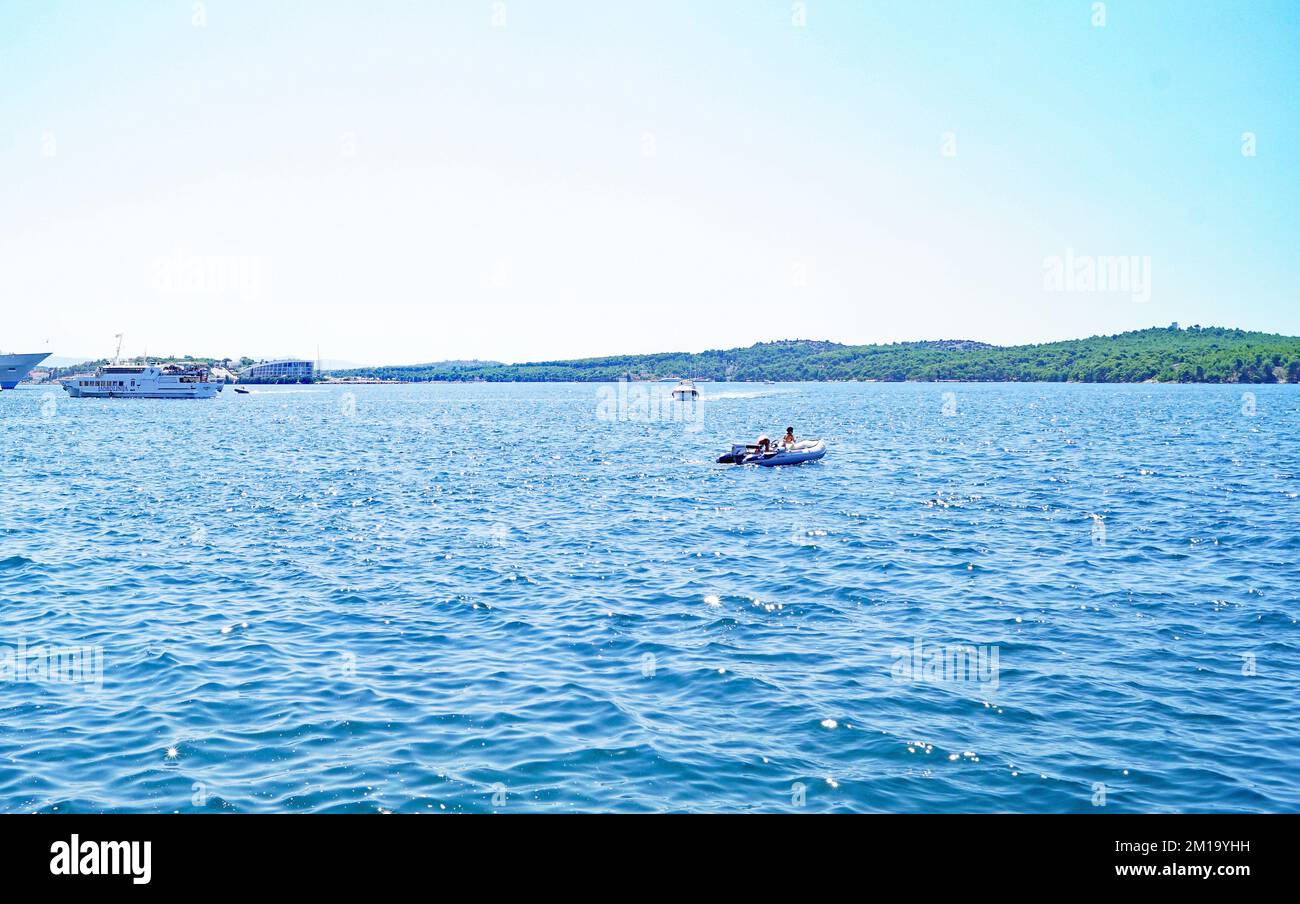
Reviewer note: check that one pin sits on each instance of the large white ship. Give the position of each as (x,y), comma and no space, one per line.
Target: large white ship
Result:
(151,381)
(15,368)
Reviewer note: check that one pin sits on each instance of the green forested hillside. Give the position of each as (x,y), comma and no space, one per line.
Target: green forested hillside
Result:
(1193,355)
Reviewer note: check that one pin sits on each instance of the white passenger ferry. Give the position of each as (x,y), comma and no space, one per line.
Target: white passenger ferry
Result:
(151,381)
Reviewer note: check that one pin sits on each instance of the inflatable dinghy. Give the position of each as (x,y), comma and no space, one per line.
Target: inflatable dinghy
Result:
(800,452)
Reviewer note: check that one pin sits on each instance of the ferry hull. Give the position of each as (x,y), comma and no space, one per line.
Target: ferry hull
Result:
(203,392)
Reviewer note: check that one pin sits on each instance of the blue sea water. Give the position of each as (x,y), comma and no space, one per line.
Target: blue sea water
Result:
(537,597)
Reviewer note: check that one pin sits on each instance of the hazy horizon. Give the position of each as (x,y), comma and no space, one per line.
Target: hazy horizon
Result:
(522,182)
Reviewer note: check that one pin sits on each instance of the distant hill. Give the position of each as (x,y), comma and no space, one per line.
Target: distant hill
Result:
(1164,354)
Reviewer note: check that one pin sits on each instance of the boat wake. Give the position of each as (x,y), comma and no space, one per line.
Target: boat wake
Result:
(280,392)
(756,394)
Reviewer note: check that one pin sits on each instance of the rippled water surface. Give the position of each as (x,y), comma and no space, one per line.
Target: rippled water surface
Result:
(467,597)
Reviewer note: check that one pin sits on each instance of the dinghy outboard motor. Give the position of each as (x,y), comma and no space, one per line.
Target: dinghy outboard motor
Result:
(739,452)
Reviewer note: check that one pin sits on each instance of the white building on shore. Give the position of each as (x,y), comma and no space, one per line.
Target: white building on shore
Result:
(284,371)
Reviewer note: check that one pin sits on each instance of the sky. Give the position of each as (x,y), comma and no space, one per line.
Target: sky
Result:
(401,182)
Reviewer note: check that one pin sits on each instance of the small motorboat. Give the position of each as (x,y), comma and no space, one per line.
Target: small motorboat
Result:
(800,452)
(242,391)
(685,391)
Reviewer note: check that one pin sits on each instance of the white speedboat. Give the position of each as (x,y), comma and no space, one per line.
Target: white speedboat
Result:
(147,381)
(15,368)
(685,391)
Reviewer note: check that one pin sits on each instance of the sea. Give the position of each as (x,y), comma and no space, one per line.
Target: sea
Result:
(550,597)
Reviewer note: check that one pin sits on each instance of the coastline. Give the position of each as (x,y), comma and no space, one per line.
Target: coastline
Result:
(1196,355)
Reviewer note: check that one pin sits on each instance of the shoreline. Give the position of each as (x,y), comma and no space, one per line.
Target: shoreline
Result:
(379,382)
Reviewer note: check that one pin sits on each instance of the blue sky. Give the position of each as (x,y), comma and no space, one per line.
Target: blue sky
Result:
(530,180)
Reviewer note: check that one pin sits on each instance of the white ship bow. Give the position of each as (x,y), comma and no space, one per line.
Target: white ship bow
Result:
(15,368)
